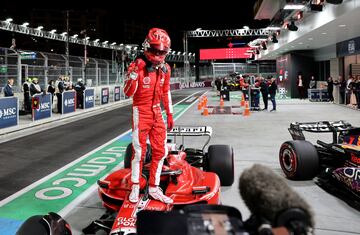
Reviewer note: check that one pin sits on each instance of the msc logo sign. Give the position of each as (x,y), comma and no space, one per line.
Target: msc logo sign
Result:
(7,113)
(69,102)
(89,98)
(44,106)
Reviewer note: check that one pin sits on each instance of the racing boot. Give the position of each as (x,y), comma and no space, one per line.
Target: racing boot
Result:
(134,195)
(157,194)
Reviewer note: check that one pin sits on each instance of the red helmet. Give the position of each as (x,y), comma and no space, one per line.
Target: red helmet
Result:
(156,45)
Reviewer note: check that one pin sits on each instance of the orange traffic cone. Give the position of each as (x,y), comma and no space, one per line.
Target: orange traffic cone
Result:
(205,102)
(242,102)
(205,112)
(200,104)
(247,109)
(221,102)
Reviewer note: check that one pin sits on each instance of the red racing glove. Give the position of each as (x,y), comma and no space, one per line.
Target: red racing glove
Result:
(170,122)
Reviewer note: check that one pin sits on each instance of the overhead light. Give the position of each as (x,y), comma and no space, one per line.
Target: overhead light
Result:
(26,24)
(8,20)
(87,38)
(323,33)
(112,44)
(342,25)
(198,29)
(310,39)
(294,7)
(53,31)
(300,43)
(39,28)
(63,34)
(189,53)
(106,42)
(173,52)
(184,53)
(96,40)
(135,48)
(121,44)
(179,53)
(75,36)
(246,27)
(273,28)
(292,46)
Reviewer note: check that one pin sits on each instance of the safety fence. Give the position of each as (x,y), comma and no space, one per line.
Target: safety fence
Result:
(20,65)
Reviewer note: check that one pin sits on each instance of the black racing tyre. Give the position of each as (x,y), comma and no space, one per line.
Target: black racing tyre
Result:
(220,160)
(128,155)
(299,160)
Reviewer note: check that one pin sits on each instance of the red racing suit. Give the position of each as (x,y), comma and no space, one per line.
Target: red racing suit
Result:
(148,86)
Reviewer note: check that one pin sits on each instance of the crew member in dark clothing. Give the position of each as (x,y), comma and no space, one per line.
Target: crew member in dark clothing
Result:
(79,88)
(27,99)
(272,92)
(8,89)
(51,89)
(264,89)
(218,85)
(59,89)
(330,88)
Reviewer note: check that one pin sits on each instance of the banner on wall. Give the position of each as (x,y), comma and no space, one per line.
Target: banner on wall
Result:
(89,98)
(43,107)
(9,112)
(117,93)
(186,85)
(105,95)
(69,102)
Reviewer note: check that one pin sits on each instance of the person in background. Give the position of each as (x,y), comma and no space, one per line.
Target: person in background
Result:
(51,89)
(59,89)
(312,83)
(330,89)
(272,92)
(35,87)
(79,88)
(342,86)
(8,89)
(27,98)
(264,89)
(348,89)
(218,85)
(356,90)
(352,87)
(301,86)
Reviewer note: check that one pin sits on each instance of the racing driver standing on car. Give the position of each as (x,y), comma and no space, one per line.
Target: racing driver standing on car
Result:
(148,82)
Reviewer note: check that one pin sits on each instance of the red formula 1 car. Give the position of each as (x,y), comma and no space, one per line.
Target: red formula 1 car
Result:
(189,176)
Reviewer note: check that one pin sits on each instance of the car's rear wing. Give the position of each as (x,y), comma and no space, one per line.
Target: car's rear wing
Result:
(296,128)
(191,131)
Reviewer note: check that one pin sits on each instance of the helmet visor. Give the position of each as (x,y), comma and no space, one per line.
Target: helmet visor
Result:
(157,52)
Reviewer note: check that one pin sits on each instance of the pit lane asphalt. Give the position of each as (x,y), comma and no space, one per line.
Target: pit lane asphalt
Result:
(30,158)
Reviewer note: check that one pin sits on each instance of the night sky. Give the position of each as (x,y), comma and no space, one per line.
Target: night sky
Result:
(128,22)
